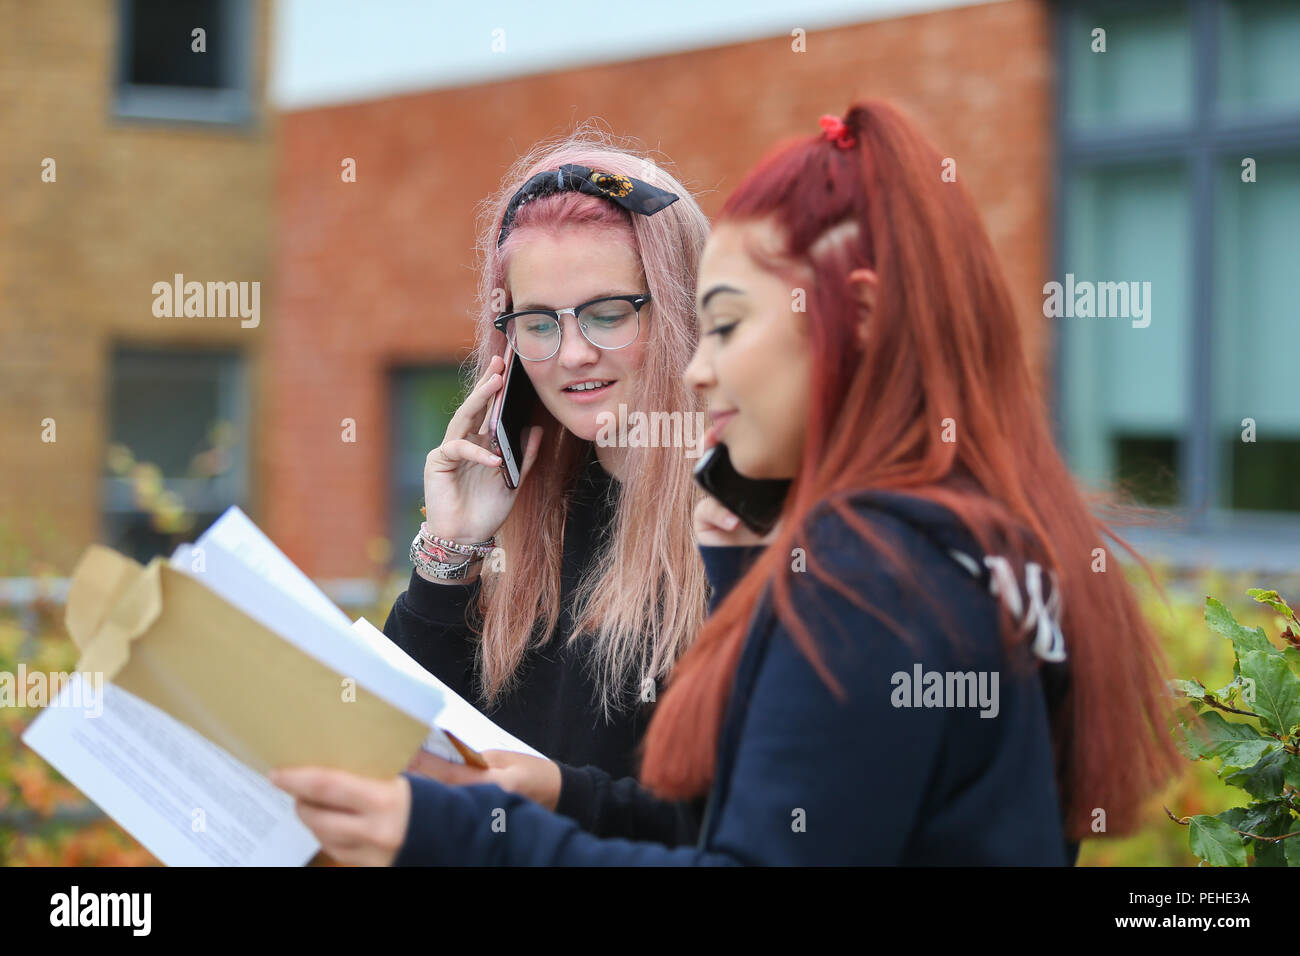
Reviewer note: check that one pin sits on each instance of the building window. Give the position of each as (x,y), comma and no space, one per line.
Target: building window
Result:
(1180,167)
(423,400)
(177,456)
(160,74)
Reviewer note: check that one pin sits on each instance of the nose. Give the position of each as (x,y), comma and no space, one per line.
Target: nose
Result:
(699,373)
(575,350)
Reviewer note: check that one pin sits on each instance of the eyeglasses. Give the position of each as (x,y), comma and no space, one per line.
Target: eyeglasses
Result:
(609,323)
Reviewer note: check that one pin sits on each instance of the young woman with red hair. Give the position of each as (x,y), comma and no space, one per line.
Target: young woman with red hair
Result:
(920,667)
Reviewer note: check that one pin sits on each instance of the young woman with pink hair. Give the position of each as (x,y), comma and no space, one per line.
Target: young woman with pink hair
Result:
(601,590)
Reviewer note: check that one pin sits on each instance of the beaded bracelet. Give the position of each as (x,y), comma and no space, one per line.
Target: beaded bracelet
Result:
(478,549)
(436,567)
(438,553)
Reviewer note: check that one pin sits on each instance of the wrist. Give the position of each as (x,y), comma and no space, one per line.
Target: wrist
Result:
(471,575)
(438,558)
(476,549)
(552,783)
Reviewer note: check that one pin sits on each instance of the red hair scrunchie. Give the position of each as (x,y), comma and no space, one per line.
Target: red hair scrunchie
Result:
(837,131)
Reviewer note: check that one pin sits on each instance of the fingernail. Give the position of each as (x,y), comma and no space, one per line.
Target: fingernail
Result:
(732,521)
(496,459)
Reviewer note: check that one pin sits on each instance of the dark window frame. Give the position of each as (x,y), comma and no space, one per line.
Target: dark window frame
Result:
(404,478)
(201,496)
(1202,146)
(231,105)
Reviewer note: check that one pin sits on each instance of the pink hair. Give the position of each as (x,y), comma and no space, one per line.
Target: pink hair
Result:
(563,211)
(645,597)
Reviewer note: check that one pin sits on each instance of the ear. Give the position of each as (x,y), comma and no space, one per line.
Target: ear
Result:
(865,283)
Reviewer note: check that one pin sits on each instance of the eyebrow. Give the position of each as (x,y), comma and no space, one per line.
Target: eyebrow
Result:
(717,290)
(547,308)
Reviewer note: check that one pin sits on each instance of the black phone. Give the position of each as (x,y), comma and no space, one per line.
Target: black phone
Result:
(757,502)
(512,412)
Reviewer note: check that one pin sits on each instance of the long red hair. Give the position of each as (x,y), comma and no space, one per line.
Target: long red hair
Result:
(943,342)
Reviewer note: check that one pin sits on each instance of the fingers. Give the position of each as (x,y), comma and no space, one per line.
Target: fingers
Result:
(444,771)
(477,402)
(536,778)
(456,450)
(334,789)
(499,759)
(334,829)
(357,820)
(710,515)
(532,451)
(497,364)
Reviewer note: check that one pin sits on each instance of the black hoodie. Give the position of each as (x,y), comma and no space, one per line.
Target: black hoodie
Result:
(939,752)
(553,705)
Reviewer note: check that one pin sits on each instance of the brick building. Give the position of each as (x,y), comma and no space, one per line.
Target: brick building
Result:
(1119,163)
(375,278)
(162,161)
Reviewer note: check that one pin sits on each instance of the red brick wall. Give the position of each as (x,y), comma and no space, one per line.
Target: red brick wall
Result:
(379,271)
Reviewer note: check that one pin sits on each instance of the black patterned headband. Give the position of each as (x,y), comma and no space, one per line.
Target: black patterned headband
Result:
(631,194)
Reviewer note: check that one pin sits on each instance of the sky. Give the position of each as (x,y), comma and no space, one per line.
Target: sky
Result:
(335,51)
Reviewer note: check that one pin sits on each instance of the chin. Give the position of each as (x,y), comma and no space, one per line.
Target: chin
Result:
(751,462)
(586,424)
(586,430)
(746,466)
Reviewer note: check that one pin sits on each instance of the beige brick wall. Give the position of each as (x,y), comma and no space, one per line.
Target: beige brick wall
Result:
(133,204)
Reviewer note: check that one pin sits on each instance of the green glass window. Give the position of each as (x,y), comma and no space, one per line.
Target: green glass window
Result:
(1143,76)
(1125,379)
(423,401)
(1259,56)
(1179,165)
(1257,334)
(168,476)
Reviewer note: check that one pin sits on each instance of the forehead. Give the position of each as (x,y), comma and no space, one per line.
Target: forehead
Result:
(731,244)
(729,253)
(570,267)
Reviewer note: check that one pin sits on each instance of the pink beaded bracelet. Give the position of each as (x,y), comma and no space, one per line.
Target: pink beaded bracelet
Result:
(479,549)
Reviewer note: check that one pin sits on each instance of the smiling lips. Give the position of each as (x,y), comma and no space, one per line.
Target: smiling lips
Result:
(588,390)
(719,420)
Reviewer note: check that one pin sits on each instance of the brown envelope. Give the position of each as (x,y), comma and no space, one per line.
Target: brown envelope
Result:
(166,638)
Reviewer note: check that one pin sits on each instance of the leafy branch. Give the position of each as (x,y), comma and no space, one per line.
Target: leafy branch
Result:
(1260,755)
(1186,821)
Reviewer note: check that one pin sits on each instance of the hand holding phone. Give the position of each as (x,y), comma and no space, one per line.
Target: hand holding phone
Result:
(465,497)
(756,503)
(717,527)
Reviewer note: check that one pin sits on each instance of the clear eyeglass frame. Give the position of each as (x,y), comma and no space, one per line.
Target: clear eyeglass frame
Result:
(505,324)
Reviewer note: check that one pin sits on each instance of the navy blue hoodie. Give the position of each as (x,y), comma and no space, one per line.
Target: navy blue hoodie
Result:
(939,752)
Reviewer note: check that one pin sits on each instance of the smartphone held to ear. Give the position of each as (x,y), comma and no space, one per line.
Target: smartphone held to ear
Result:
(757,502)
(512,413)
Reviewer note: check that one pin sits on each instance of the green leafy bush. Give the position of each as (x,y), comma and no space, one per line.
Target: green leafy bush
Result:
(1258,750)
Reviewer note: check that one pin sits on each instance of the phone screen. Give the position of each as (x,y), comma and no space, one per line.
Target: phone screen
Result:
(517,401)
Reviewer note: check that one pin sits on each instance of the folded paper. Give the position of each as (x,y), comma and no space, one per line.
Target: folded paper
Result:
(165,637)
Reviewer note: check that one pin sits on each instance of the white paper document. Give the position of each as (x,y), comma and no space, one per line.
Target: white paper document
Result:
(188,801)
(458,716)
(235,532)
